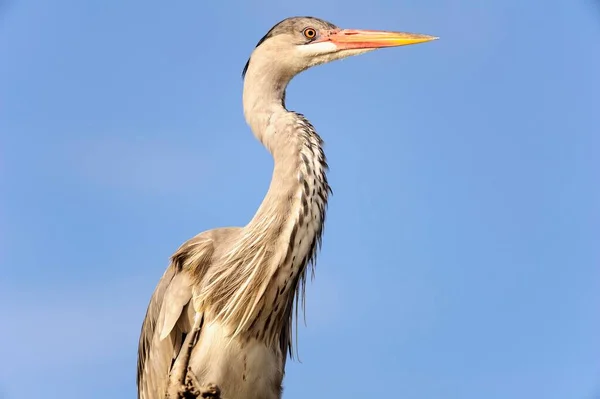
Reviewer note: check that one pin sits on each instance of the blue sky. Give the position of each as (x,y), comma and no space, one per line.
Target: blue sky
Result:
(460,257)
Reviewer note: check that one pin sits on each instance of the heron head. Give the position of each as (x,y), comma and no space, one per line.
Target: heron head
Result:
(298,43)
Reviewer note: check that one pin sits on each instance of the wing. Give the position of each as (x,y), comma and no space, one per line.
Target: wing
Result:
(170,316)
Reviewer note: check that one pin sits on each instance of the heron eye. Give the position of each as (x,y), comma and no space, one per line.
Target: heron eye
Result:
(309,33)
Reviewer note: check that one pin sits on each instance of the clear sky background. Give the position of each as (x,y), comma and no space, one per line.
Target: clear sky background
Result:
(461,254)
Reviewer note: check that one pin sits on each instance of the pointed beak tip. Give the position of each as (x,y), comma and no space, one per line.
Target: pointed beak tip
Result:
(428,38)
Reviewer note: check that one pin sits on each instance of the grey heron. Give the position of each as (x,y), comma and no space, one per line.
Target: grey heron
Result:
(219,321)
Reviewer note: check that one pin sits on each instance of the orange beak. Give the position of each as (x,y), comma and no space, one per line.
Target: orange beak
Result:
(364,39)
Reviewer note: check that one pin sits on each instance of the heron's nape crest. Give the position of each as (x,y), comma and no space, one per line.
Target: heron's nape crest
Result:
(220,319)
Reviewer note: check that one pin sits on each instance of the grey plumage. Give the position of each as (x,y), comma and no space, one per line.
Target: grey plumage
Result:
(293,24)
(219,321)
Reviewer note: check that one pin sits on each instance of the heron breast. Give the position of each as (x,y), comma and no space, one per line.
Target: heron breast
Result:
(243,369)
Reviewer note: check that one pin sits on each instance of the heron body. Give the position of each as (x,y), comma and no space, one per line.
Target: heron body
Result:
(221,315)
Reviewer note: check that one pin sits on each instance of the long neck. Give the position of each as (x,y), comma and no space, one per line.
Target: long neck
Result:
(299,184)
(292,212)
(283,237)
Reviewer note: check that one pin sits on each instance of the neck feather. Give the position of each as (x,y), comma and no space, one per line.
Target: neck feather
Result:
(283,238)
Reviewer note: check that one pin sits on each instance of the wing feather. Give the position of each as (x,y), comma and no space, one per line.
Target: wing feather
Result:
(156,354)
(177,296)
(169,316)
